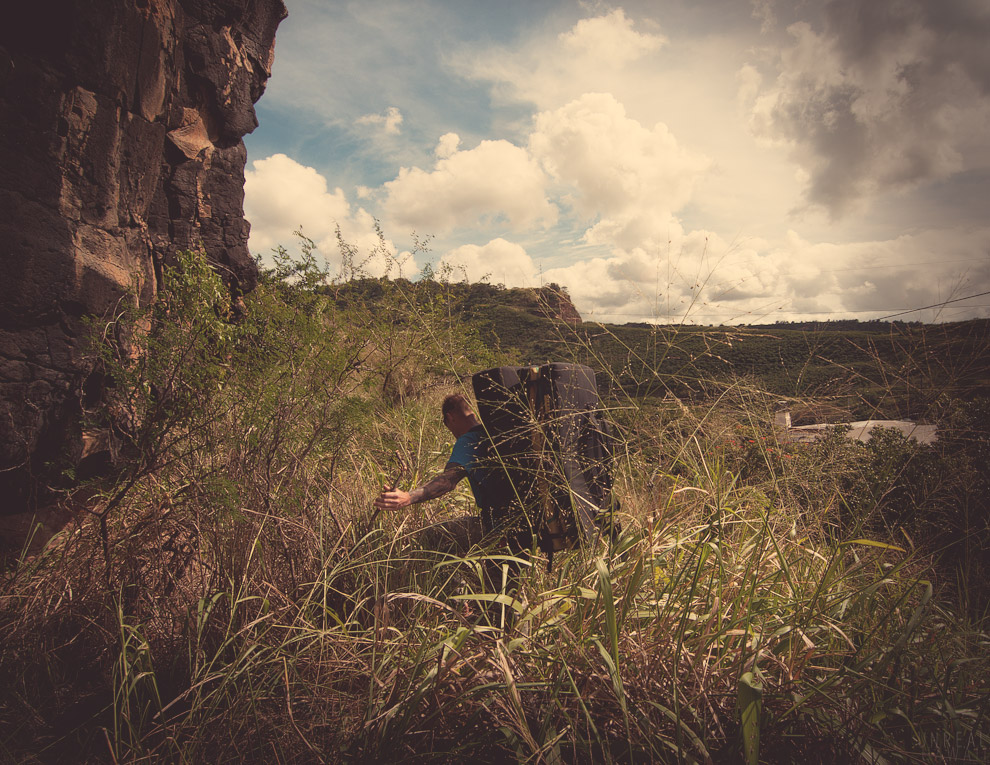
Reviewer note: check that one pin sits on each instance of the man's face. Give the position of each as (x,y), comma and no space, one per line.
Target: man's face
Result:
(458,422)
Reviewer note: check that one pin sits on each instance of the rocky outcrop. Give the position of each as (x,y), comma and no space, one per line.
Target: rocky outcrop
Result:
(121,125)
(555,303)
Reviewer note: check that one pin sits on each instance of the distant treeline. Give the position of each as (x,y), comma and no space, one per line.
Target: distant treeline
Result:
(474,300)
(829,325)
(865,368)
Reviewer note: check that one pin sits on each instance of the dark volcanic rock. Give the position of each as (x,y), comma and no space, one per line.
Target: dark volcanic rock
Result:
(120,143)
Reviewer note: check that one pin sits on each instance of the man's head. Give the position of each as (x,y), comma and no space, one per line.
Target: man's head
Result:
(457,414)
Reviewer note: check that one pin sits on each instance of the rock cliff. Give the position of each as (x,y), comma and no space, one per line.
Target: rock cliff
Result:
(121,125)
(555,303)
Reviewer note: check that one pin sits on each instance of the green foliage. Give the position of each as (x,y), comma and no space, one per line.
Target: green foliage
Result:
(902,481)
(170,363)
(239,600)
(749,701)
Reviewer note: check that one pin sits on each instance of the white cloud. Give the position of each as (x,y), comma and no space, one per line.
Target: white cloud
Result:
(681,281)
(632,177)
(749,81)
(596,54)
(883,97)
(678,102)
(495,181)
(447,145)
(763,11)
(499,261)
(625,180)
(703,279)
(609,40)
(883,276)
(281,196)
(390,121)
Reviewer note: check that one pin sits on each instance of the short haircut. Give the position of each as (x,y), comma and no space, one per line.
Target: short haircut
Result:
(455,402)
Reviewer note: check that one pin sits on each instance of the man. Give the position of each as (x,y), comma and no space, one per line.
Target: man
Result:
(460,535)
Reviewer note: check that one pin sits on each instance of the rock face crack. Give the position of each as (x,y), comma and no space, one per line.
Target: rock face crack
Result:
(121,126)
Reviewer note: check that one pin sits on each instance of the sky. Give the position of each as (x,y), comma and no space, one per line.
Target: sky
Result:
(676,161)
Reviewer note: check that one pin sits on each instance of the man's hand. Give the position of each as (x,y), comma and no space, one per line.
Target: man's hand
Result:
(396,499)
(393,499)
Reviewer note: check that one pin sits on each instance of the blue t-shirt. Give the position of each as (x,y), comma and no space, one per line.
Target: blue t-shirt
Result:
(467,453)
(489,484)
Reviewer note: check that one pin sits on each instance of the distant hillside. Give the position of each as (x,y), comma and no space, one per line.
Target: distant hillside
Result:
(473,301)
(896,371)
(865,369)
(837,325)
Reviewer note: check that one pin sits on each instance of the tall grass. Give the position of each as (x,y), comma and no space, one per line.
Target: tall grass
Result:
(231,595)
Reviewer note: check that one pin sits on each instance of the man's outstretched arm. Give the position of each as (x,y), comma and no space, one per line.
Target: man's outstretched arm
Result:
(394,499)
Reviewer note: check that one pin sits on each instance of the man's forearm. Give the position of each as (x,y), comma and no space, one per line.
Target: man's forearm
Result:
(438,486)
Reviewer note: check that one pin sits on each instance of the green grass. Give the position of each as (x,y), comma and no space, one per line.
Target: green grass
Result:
(232,596)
